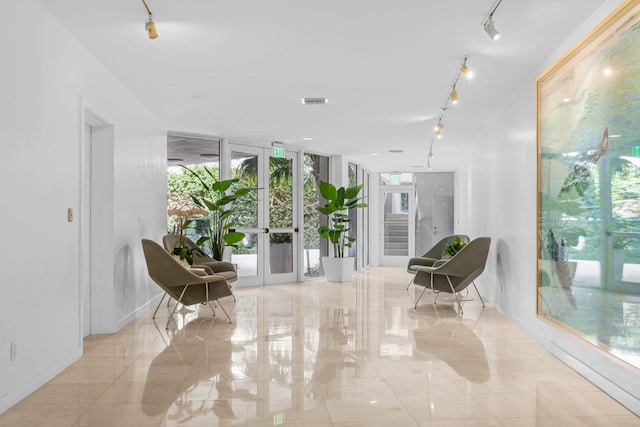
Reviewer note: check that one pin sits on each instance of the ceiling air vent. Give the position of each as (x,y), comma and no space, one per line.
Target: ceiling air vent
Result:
(396,151)
(314,101)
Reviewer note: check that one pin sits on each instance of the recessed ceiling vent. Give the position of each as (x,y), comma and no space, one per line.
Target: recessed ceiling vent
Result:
(396,151)
(314,101)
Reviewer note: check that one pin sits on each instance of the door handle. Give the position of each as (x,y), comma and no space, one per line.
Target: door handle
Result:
(266,230)
(296,229)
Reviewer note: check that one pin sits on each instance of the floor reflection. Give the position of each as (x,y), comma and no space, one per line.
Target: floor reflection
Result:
(443,335)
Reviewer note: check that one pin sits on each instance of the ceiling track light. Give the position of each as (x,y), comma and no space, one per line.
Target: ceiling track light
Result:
(149,25)
(452,98)
(488,25)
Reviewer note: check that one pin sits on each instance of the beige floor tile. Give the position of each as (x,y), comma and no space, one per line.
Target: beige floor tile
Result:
(478,422)
(407,423)
(452,407)
(49,415)
(611,421)
(592,403)
(66,394)
(514,405)
(121,415)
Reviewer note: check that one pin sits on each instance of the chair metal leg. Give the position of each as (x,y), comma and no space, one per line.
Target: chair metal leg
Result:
(206,296)
(161,299)
(418,300)
(225,312)
(211,307)
(479,296)
(411,281)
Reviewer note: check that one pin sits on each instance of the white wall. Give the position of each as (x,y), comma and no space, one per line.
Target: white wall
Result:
(497,187)
(46,80)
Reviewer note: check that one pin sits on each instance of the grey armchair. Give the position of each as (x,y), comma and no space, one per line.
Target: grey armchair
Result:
(200,258)
(187,287)
(457,273)
(432,255)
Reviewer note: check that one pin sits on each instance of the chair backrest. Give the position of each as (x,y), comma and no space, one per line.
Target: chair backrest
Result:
(436,251)
(468,263)
(169,241)
(165,270)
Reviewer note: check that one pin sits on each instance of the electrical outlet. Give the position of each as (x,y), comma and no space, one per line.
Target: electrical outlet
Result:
(14,350)
(70,214)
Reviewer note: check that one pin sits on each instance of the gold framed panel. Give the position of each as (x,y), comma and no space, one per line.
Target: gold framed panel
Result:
(588,155)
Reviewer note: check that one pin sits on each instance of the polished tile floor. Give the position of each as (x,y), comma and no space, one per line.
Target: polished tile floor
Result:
(321,354)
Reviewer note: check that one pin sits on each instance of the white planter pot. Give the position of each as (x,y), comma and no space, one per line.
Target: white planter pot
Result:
(280,258)
(338,269)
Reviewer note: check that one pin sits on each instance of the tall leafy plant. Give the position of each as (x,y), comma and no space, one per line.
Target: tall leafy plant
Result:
(339,201)
(218,198)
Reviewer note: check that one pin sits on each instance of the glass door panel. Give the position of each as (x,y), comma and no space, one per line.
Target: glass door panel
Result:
(280,218)
(246,166)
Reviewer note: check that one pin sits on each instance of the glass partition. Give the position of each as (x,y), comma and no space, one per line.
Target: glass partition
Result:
(316,169)
(434,208)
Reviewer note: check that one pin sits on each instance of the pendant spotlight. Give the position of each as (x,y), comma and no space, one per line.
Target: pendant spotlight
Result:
(465,70)
(454,95)
(488,25)
(149,25)
(430,155)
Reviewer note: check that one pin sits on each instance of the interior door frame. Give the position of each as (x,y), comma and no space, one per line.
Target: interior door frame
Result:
(398,259)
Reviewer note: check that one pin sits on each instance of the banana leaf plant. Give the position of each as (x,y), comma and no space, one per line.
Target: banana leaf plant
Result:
(218,198)
(339,201)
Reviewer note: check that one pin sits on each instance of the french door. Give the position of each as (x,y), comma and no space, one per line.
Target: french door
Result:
(268,218)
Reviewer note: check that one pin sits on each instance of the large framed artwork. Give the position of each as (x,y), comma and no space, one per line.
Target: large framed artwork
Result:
(588,130)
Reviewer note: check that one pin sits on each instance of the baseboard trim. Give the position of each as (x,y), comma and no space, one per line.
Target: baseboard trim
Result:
(33,383)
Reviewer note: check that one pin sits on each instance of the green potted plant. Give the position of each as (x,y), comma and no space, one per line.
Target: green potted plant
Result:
(215,197)
(453,248)
(339,201)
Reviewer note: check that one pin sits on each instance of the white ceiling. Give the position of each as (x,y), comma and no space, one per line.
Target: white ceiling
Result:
(238,68)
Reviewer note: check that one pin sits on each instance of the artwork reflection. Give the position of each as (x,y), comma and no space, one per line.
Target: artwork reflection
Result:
(589,187)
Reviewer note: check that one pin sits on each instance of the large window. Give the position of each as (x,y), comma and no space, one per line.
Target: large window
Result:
(196,154)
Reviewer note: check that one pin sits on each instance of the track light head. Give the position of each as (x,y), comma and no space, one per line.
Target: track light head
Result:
(438,127)
(454,95)
(490,28)
(465,70)
(150,26)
